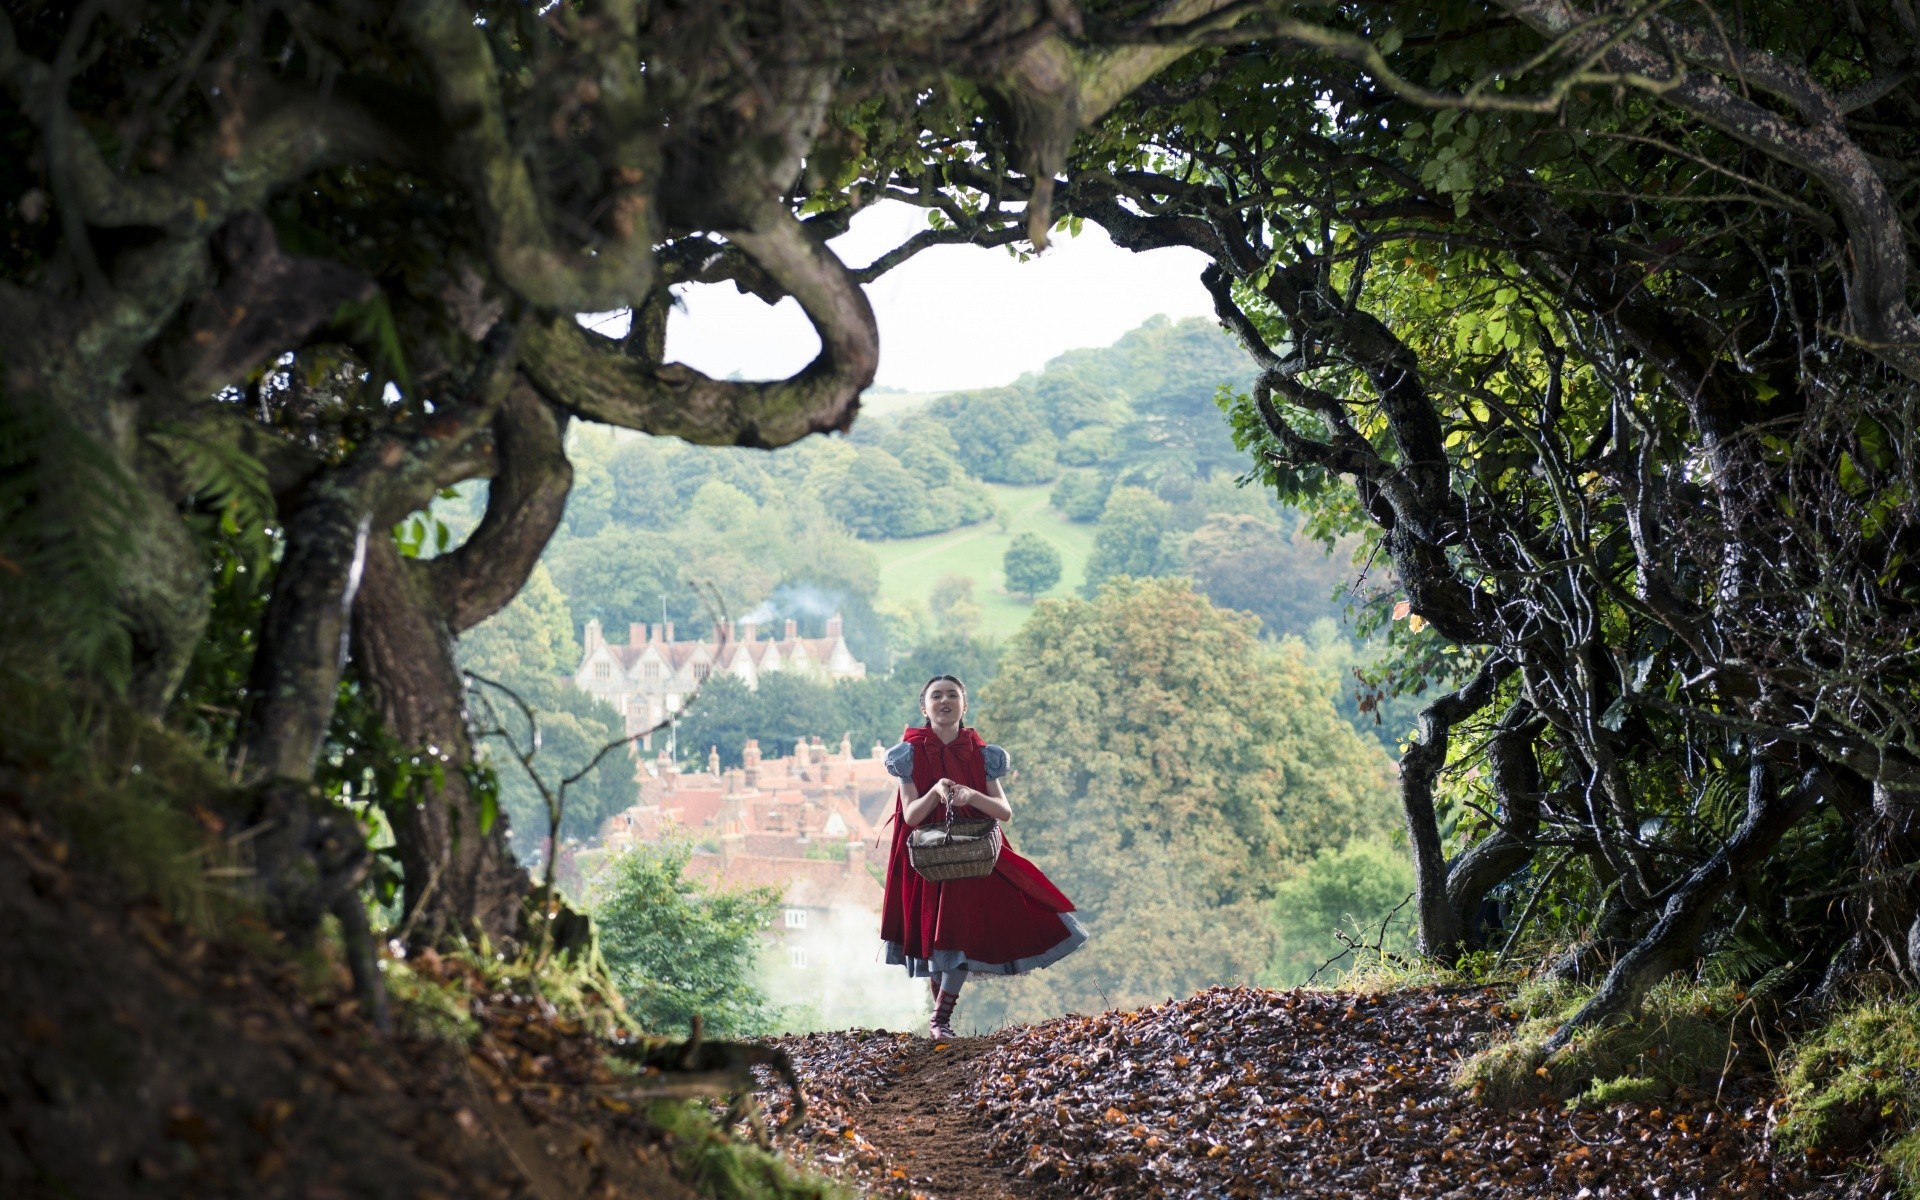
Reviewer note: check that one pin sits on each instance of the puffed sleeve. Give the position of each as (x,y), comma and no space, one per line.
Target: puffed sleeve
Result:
(900,761)
(996,761)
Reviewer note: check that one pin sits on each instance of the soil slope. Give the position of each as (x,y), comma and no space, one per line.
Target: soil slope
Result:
(140,1058)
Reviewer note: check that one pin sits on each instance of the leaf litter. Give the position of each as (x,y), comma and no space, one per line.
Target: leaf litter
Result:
(1247,1092)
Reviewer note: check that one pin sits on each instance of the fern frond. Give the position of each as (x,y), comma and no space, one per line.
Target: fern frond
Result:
(64,546)
(226,478)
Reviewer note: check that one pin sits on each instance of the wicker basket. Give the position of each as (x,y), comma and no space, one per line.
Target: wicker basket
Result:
(958,848)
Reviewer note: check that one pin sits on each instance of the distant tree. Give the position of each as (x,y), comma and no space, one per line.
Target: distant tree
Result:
(573,728)
(1031,565)
(876,498)
(974,660)
(719,509)
(1174,769)
(1070,402)
(948,591)
(722,717)
(1134,538)
(873,709)
(531,637)
(1287,581)
(953,605)
(640,501)
(1081,495)
(999,435)
(1352,889)
(1091,446)
(677,946)
(620,575)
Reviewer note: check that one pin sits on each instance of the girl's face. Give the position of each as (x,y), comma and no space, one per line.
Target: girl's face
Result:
(944,703)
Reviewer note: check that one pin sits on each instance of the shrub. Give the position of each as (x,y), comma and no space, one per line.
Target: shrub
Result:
(676,946)
(1856,1081)
(1685,1036)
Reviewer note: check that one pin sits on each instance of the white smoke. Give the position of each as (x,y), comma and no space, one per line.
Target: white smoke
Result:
(796,600)
(845,982)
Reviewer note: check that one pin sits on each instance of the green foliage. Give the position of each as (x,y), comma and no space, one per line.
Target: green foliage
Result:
(998,435)
(726,1168)
(913,484)
(131,799)
(1173,768)
(1082,495)
(1353,889)
(573,728)
(532,637)
(787,707)
(953,605)
(1287,580)
(590,502)
(1688,1035)
(1134,539)
(66,532)
(677,947)
(1855,1082)
(1031,565)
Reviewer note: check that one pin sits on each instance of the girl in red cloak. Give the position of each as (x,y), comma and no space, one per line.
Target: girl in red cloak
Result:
(1006,923)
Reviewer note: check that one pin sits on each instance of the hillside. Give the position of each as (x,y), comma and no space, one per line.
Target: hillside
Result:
(1122,447)
(160,1056)
(911,567)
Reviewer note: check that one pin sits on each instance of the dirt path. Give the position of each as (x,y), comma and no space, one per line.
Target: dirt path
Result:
(932,1122)
(1246,1093)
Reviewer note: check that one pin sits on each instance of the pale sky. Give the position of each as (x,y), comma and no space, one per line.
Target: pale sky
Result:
(953,316)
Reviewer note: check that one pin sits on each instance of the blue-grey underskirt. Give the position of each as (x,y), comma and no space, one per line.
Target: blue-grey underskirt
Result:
(957,960)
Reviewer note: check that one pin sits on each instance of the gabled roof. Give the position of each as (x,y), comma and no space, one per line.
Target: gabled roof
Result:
(676,655)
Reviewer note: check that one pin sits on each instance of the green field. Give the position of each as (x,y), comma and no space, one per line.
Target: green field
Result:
(910,567)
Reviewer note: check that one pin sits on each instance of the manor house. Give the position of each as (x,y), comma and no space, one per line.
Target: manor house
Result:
(650,678)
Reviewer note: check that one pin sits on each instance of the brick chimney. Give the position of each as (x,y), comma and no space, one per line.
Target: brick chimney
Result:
(833,626)
(668,636)
(637,634)
(791,627)
(749,630)
(593,634)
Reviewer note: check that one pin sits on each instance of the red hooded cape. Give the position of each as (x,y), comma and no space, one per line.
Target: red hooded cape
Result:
(1001,918)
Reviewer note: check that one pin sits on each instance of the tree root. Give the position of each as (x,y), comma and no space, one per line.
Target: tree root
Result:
(699,1068)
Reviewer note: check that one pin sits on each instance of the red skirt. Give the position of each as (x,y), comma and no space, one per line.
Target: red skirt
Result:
(1006,923)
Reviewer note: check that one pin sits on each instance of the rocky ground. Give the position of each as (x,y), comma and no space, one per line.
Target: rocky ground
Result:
(1242,1092)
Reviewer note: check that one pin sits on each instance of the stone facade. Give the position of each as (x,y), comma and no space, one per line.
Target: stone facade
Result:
(650,677)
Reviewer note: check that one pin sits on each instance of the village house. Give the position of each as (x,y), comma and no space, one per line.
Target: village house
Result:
(806,825)
(649,679)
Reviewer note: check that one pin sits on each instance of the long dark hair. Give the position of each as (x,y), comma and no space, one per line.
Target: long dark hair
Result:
(955,681)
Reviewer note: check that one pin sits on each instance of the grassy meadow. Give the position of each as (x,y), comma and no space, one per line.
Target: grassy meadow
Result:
(910,567)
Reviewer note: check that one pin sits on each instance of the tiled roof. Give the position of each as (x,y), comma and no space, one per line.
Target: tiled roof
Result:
(803,882)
